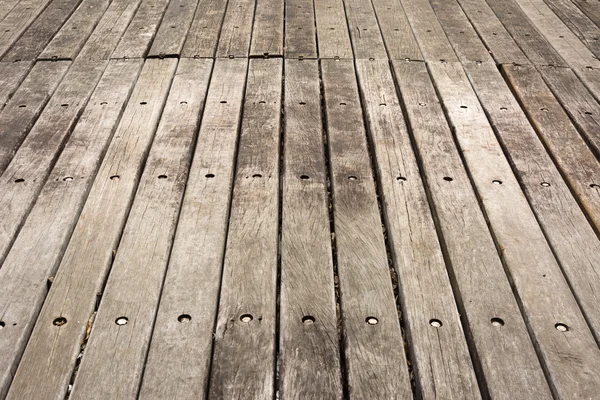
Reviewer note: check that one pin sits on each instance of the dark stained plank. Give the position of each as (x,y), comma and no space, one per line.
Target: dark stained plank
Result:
(243,363)
(300,30)
(364,30)
(491,313)
(332,30)
(236,32)
(108,32)
(562,336)
(17,21)
(203,36)
(42,240)
(173,28)
(267,32)
(309,364)
(375,360)
(178,364)
(425,294)
(116,350)
(138,37)
(41,31)
(59,332)
(11,76)
(72,35)
(25,106)
(396,31)
(577,22)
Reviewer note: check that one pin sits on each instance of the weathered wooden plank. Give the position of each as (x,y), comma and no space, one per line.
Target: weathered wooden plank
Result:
(267,32)
(109,30)
(236,32)
(17,20)
(492,317)
(179,358)
(173,28)
(364,30)
(42,239)
(73,34)
(432,322)
(116,350)
(203,36)
(396,31)
(139,34)
(562,336)
(11,76)
(41,31)
(247,315)
(309,365)
(590,8)
(332,29)
(577,22)
(25,106)
(59,332)
(300,31)
(6,6)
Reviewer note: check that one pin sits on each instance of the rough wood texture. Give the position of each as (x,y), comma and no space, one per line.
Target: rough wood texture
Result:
(179,360)
(11,76)
(300,31)
(173,28)
(203,36)
(114,357)
(42,240)
(244,344)
(490,312)
(236,32)
(577,22)
(267,32)
(366,37)
(17,21)
(309,364)
(333,36)
(54,346)
(590,8)
(396,31)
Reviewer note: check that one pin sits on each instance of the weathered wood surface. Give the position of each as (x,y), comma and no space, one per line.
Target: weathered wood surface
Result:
(300,31)
(18,20)
(267,31)
(173,28)
(11,76)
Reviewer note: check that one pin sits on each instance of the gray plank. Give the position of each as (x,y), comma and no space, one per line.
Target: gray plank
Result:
(72,35)
(41,31)
(425,294)
(115,354)
(193,278)
(578,23)
(173,28)
(332,30)
(17,21)
(590,8)
(54,344)
(491,313)
(267,32)
(236,32)
(247,316)
(309,364)
(545,297)
(11,76)
(396,31)
(6,6)
(364,30)
(46,231)
(108,32)
(203,36)
(300,31)
(138,37)
(25,106)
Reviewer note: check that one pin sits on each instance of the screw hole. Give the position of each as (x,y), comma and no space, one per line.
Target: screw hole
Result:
(400,178)
(223,102)
(68,178)
(308,320)
(352,178)
(497,322)
(448,179)
(64,105)
(184,318)
(304,177)
(2,324)
(246,318)
(382,104)
(544,109)
(143,103)
(561,327)
(342,104)
(121,321)
(22,105)
(503,108)
(545,184)
(162,177)
(257,176)
(115,178)
(20,180)
(60,321)
(587,113)
(209,175)
(302,103)
(262,102)
(436,323)
(497,182)
(464,107)
(371,320)
(183,102)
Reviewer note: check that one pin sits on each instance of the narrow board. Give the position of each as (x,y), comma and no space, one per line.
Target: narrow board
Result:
(397,34)
(140,33)
(332,28)
(40,32)
(300,30)
(309,342)
(562,337)
(432,322)
(577,22)
(236,32)
(364,30)
(267,31)
(67,42)
(490,312)
(590,8)
(42,240)
(173,28)
(203,36)
(17,21)
(116,351)
(109,30)
(25,106)
(60,330)
(11,76)
(179,358)
(243,363)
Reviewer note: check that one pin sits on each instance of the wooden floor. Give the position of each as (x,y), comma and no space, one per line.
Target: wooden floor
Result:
(299,199)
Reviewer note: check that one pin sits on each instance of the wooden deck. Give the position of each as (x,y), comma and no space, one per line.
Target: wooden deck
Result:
(299,199)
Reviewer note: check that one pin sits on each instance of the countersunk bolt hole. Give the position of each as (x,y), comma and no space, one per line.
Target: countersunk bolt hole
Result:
(497,182)
(121,321)
(371,320)
(497,322)
(545,184)
(115,178)
(304,177)
(561,327)
(246,318)
(209,175)
(436,323)
(308,320)
(20,180)
(352,178)
(60,321)
(162,177)
(184,318)
(448,179)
